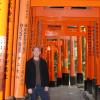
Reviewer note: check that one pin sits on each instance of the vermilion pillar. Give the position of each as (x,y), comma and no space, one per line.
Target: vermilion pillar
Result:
(9,48)
(91,52)
(59,65)
(48,61)
(97,72)
(90,59)
(35,32)
(3,31)
(21,49)
(52,72)
(87,67)
(79,60)
(65,71)
(14,47)
(72,63)
(30,36)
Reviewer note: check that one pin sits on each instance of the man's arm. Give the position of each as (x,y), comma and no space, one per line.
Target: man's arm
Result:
(27,76)
(27,79)
(46,76)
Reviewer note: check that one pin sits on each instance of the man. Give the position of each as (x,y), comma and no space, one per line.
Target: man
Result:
(37,80)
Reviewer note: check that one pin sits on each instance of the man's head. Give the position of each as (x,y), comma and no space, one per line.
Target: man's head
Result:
(36,51)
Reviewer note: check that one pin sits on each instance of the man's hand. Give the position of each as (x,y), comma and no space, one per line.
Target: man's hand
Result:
(30,91)
(46,88)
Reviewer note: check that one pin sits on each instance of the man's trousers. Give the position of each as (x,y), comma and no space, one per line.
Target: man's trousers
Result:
(39,91)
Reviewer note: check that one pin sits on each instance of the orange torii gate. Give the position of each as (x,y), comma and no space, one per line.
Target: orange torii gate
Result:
(67,32)
(90,75)
(46,22)
(56,46)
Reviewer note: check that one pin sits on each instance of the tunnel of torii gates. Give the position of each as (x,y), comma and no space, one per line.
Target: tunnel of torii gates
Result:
(51,24)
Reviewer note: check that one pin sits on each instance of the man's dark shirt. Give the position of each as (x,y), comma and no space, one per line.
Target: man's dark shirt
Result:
(30,78)
(38,78)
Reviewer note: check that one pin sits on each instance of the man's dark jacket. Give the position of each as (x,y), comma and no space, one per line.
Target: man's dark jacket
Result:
(30,78)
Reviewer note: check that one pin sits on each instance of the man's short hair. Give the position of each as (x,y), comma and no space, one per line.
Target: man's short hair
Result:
(36,47)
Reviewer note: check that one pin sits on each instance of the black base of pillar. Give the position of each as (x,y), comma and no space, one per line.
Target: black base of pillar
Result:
(72,80)
(85,85)
(94,87)
(88,85)
(65,78)
(52,83)
(79,78)
(59,81)
(97,94)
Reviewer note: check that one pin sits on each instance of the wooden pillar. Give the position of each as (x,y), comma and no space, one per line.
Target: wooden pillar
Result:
(87,67)
(30,35)
(21,49)
(43,36)
(97,87)
(48,61)
(72,63)
(59,64)
(79,64)
(42,39)
(91,53)
(65,71)
(14,46)
(9,48)
(3,31)
(90,59)
(52,72)
(36,31)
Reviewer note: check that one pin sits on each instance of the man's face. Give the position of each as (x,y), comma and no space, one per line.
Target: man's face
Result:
(36,52)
